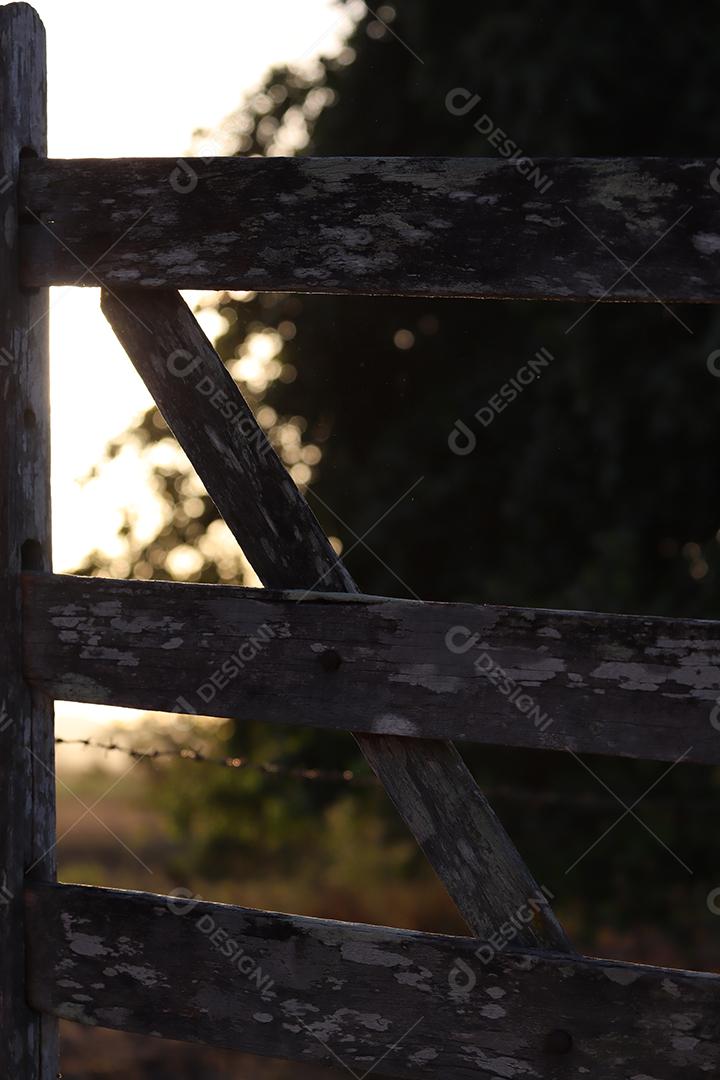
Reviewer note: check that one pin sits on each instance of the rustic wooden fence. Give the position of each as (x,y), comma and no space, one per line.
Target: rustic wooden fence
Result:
(403,677)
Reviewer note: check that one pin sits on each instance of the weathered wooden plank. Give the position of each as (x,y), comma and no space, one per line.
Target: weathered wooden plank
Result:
(468,847)
(28,1048)
(609,684)
(376,999)
(406,226)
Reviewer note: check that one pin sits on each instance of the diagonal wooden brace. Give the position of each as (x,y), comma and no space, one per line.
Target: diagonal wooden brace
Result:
(427,780)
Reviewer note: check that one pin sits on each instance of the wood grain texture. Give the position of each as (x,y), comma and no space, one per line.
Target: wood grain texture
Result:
(405,226)
(248,653)
(27,813)
(392,1001)
(268,516)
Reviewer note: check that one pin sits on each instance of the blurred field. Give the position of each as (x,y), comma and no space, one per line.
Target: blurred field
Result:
(126,842)
(94,1054)
(135,858)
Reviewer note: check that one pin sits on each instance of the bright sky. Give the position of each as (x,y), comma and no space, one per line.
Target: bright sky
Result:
(136,79)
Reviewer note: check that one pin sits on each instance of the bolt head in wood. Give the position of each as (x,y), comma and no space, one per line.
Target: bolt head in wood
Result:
(330,660)
(558,1042)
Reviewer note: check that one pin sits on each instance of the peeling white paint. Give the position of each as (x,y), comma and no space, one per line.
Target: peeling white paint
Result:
(622,976)
(493,1012)
(706,243)
(647,677)
(141,973)
(425,675)
(172,643)
(423,1056)
(398,725)
(685,1043)
(87,944)
(361,952)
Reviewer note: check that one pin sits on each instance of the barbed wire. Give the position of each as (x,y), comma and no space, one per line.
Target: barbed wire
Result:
(350,778)
(270,768)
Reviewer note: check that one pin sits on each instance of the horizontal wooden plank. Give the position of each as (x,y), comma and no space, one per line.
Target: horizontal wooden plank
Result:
(372,998)
(612,684)
(405,226)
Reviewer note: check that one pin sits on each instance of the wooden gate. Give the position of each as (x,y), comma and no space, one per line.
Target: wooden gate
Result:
(514,999)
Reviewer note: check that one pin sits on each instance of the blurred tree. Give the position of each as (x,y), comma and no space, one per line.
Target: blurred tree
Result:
(598,488)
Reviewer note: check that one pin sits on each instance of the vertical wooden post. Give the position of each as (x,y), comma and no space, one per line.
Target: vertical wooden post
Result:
(27,789)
